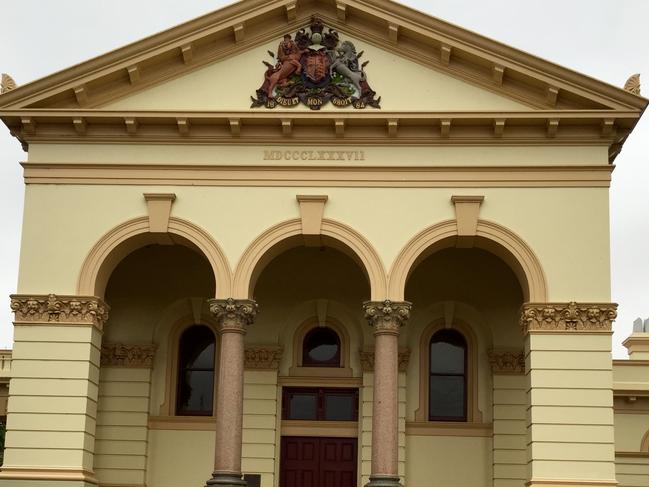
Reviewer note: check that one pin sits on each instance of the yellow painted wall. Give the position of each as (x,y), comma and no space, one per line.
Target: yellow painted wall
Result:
(452,461)
(52,239)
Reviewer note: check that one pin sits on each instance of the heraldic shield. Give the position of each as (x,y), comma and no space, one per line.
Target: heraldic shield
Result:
(315,71)
(314,68)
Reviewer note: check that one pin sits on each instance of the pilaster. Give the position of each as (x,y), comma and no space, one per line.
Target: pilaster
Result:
(509,418)
(569,379)
(53,395)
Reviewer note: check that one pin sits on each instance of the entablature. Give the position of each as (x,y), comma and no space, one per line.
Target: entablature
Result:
(575,127)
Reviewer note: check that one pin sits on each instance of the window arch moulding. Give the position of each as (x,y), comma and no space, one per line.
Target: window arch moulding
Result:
(298,368)
(168,407)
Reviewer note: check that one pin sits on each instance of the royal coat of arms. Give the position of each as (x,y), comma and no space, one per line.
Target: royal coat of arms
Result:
(314,68)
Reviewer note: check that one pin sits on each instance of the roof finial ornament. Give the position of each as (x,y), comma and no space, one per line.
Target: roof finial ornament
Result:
(632,85)
(7,83)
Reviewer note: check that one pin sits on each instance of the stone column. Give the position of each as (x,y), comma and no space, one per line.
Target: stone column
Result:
(233,316)
(386,318)
(52,406)
(569,379)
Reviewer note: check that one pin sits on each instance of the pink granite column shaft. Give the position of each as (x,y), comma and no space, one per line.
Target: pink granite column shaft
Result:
(233,317)
(387,318)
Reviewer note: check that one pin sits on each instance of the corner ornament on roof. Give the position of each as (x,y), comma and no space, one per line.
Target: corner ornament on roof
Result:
(314,68)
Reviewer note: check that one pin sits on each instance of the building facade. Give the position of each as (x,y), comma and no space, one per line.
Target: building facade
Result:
(319,272)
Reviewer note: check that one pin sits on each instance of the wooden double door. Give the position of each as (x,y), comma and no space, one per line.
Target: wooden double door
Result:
(318,462)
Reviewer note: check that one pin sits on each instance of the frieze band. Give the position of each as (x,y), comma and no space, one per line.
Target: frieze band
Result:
(507,362)
(82,310)
(263,358)
(387,316)
(568,317)
(367,360)
(233,314)
(127,355)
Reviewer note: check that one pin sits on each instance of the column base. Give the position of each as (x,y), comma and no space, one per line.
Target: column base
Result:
(226,480)
(383,481)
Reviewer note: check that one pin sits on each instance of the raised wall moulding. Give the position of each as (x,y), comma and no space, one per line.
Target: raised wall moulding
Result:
(127,355)
(568,317)
(507,362)
(367,360)
(52,309)
(387,316)
(263,358)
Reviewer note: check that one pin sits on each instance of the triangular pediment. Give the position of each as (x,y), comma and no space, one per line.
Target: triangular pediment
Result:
(401,84)
(394,32)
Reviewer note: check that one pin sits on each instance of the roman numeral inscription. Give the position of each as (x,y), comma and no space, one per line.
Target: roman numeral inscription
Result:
(314,155)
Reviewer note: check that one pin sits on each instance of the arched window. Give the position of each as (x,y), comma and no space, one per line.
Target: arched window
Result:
(447,380)
(195,391)
(321,348)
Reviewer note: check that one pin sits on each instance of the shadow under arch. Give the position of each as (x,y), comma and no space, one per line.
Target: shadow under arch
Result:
(288,234)
(490,236)
(133,234)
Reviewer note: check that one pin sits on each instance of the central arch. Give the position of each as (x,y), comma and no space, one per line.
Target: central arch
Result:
(287,235)
(490,236)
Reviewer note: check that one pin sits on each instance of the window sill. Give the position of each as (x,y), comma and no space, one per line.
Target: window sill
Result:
(194,423)
(448,428)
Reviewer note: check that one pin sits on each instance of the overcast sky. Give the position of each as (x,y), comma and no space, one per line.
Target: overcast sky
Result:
(602,38)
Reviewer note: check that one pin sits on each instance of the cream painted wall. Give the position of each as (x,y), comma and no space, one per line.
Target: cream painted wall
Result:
(217,87)
(62,224)
(389,154)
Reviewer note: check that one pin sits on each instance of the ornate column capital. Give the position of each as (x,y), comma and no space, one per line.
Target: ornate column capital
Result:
(387,317)
(52,309)
(233,314)
(568,317)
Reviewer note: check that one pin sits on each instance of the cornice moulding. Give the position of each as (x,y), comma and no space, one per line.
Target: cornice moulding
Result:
(319,176)
(551,127)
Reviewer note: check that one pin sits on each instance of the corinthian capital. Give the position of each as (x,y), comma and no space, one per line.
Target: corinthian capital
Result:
(387,316)
(233,314)
(568,317)
(52,309)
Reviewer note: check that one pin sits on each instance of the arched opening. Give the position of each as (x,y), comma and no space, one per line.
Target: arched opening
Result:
(466,305)
(134,234)
(491,237)
(311,299)
(288,235)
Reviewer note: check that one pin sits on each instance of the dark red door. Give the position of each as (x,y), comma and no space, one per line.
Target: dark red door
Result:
(318,462)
